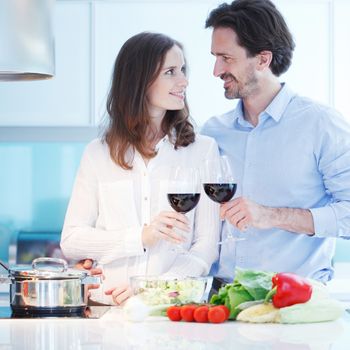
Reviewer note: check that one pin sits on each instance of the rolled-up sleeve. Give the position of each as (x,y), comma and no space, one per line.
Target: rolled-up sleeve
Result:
(333,156)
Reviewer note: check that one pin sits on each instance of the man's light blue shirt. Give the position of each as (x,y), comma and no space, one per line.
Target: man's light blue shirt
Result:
(298,156)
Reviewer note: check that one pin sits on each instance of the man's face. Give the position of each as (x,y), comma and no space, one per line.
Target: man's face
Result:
(232,64)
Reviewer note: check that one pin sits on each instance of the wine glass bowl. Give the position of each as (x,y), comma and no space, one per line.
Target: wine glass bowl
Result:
(183,202)
(220,192)
(220,186)
(183,191)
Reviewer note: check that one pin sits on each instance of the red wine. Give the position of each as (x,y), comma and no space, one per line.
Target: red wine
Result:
(220,192)
(183,202)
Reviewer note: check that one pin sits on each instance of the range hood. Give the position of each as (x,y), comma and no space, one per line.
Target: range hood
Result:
(26,40)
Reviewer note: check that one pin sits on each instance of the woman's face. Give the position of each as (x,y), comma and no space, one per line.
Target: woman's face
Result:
(168,90)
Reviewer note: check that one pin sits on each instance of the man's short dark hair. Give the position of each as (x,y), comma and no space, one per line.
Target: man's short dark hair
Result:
(259,26)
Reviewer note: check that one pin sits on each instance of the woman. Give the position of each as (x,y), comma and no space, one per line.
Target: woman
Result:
(118,214)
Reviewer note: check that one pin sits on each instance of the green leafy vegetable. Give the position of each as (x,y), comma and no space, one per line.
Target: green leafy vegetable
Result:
(248,285)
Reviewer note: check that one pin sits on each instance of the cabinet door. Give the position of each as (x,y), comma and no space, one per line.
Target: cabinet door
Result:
(65,99)
(310,24)
(184,21)
(341,56)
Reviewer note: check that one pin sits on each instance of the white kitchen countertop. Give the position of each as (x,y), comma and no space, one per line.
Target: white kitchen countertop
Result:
(112,332)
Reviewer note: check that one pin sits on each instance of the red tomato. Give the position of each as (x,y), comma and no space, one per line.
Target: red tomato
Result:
(226,310)
(187,312)
(216,315)
(173,312)
(201,314)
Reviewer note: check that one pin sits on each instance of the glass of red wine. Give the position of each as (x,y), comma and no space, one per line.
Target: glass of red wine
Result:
(220,186)
(183,191)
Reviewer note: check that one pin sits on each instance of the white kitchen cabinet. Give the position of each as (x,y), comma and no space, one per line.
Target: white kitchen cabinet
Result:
(89,34)
(311,71)
(184,21)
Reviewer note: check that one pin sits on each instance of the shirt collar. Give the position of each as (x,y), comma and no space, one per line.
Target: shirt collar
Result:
(161,142)
(275,109)
(280,102)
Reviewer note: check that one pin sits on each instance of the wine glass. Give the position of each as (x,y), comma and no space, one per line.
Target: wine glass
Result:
(183,191)
(220,186)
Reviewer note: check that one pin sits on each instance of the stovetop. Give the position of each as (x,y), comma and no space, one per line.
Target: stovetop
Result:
(91,312)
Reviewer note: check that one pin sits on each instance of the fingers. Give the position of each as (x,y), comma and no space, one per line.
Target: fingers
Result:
(237,213)
(172,222)
(174,219)
(93,286)
(164,226)
(96,272)
(169,235)
(109,291)
(85,264)
(119,294)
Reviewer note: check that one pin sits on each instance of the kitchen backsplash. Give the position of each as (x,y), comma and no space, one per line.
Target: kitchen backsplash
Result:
(36,180)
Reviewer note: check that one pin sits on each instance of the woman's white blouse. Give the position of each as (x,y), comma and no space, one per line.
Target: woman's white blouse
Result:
(110,205)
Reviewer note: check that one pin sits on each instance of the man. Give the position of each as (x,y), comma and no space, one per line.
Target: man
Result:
(290,155)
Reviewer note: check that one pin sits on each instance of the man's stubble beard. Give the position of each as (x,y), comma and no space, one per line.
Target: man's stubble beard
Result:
(249,87)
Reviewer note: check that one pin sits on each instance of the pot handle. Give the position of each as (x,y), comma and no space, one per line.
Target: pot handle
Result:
(57,261)
(92,279)
(5,279)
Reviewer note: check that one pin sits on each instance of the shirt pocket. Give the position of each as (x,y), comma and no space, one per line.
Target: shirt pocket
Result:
(117,204)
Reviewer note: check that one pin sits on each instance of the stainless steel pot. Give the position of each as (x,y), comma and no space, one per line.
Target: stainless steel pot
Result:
(52,288)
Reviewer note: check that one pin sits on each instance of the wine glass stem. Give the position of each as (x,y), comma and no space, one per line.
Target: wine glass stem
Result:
(229,234)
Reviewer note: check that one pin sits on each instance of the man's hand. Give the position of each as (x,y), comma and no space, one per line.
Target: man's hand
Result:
(120,294)
(162,227)
(242,213)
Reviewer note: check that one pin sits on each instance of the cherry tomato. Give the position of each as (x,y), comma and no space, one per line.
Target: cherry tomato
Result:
(173,312)
(226,310)
(187,312)
(201,314)
(216,315)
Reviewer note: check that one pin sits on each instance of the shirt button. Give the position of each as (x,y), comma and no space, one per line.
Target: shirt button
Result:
(146,198)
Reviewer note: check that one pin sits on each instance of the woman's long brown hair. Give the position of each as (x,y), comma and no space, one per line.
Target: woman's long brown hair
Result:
(137,66)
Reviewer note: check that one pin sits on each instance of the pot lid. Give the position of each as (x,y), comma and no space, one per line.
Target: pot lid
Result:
(47,268)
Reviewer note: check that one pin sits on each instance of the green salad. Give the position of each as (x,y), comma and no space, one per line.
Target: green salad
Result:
(175,291)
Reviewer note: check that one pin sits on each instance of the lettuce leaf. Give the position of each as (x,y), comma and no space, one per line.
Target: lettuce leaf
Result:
(248,285)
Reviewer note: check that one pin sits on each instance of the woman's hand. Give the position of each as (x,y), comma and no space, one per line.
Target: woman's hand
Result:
(162,227)
(120,294)
(88,264)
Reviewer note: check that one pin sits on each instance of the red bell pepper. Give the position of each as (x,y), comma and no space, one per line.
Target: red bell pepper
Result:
(289,289)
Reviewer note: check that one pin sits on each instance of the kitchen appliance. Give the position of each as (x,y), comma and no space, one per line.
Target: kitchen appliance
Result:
(26,40)
(90,312)
(48,286)
(25,246)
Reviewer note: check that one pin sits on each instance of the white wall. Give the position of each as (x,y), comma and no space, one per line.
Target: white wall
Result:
(89,34)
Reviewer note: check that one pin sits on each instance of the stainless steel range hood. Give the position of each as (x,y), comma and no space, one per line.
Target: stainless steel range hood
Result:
(26,40)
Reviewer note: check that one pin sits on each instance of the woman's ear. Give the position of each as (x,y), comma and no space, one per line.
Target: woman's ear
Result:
(264,60)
